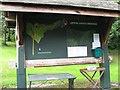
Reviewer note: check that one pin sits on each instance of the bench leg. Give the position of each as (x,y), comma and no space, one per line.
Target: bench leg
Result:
(71,84)
(30,85)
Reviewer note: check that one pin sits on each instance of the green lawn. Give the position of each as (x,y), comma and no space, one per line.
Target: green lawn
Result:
(8,75)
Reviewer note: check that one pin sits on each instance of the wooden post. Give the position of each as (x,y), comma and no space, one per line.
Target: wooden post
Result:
(105,79)
(21,70)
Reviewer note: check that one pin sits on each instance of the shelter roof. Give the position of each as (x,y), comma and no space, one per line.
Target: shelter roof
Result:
(100,4)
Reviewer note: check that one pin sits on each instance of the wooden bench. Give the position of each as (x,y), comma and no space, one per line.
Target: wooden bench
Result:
(38,77)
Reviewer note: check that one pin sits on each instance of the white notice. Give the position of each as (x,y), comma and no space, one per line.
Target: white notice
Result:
(96,37)
(95,45)
(96,40)
(77,51)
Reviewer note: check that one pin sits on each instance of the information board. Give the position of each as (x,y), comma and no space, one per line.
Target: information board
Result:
(49,39)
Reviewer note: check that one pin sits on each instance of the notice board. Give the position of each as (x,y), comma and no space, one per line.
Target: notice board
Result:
(49,39)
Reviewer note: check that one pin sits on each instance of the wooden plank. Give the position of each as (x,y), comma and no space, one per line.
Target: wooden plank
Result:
(37,77)
(98,69)
(106,4)
(9,19)
(60,62)
(78,11)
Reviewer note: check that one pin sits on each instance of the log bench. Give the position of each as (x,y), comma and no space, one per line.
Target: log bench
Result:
(40,77)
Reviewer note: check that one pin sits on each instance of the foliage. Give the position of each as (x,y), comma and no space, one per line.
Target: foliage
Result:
(6,34)
(1,21)
(118,2)
(3,27)
(114,37)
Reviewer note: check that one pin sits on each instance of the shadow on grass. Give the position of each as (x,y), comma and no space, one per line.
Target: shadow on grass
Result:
(8,44)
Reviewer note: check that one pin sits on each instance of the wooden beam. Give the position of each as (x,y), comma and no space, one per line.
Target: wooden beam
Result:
(61,62)
(9,19)
(60,10)
(106,30)
(19,29)
(110,21)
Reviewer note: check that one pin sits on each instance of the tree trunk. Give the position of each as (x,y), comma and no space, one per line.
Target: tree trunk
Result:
(9,39)
(4,37)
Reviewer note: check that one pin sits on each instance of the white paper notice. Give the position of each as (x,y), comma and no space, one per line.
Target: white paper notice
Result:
(96,38)
(77,51)
(95,45)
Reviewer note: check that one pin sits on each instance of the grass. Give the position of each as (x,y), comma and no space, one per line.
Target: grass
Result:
(114,66)
(8,75)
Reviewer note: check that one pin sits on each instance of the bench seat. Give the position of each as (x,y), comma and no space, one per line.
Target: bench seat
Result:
(40,77)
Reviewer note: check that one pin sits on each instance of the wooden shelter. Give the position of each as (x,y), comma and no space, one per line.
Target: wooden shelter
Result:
(60,32)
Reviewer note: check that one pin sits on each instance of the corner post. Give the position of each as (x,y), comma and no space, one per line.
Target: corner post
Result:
(21,69)
(105,79)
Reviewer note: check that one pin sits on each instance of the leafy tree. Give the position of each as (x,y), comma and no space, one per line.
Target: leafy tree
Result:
(5,33)
(3,28)
(114,37)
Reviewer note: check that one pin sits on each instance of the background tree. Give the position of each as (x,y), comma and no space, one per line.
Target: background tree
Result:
(114,37)
(3,28)
(6,34)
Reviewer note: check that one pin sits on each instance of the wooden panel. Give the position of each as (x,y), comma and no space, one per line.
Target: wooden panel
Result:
(23,8)
(60,62)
